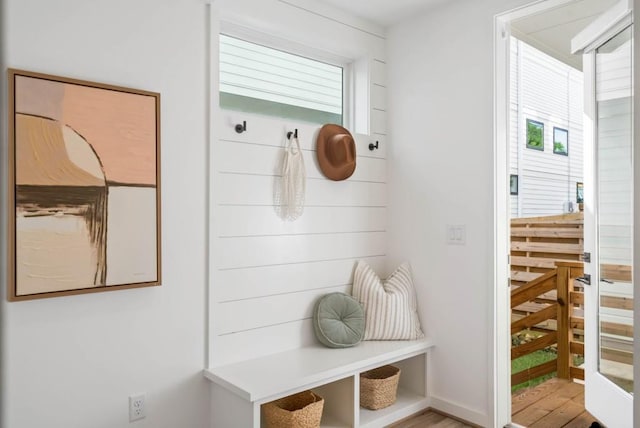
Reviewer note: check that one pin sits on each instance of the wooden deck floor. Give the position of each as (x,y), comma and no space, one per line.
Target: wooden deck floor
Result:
(555,403)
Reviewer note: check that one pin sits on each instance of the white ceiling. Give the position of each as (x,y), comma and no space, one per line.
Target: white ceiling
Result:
(550,31)
(384,12)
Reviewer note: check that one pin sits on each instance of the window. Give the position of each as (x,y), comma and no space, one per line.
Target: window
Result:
(579,193)
(535,135)
(258,79)
(560,141)
(513,184)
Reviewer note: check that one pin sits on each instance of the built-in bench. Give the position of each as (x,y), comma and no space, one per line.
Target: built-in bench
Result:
(240,389)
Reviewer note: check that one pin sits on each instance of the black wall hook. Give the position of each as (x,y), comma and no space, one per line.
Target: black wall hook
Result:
(241,127)
(295,134)
(373,146)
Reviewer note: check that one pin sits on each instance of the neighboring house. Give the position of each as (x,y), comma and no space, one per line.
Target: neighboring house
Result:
(546,133)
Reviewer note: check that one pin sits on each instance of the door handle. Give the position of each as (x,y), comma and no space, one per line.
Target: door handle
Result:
(606,280)
(586,279)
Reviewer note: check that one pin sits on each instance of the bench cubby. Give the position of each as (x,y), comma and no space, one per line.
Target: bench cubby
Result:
(240,389)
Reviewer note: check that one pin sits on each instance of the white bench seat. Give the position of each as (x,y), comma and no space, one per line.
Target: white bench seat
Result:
(336,371)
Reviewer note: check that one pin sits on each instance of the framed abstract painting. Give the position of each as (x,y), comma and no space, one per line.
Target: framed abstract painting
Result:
(84,187)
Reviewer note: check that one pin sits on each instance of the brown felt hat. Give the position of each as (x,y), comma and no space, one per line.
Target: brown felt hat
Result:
(336,152)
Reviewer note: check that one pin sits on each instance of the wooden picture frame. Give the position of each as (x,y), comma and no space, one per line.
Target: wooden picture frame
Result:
(535,135)
(84,187)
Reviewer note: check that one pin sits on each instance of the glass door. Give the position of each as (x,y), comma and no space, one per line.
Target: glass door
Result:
(609,232)
(614,148)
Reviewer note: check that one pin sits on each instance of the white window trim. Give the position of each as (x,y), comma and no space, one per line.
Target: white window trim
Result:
(242,32)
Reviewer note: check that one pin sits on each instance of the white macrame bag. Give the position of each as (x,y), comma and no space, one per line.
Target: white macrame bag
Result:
(290,198)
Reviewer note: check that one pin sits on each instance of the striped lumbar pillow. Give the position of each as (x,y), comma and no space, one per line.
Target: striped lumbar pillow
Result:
(390,306)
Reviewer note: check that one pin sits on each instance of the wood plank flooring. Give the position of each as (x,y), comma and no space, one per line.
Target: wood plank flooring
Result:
(556,403)
(429,419)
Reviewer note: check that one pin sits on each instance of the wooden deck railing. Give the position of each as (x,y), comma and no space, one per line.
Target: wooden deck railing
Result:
(561,281)
(537,244)
(568,299)
(546,250)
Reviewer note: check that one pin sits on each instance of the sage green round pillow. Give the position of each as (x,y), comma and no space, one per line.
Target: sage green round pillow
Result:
(338,320)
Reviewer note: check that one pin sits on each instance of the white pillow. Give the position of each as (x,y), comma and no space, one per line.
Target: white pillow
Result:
(390,306)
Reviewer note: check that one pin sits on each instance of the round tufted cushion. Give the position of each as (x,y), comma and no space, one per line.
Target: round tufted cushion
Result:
(338,320)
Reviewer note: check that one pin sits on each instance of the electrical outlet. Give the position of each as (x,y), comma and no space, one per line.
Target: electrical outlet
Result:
(137,409)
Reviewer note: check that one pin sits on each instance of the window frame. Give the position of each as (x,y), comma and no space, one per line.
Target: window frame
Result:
(566,149)
(514,185)
(579,192)
(288,46)
(530,146)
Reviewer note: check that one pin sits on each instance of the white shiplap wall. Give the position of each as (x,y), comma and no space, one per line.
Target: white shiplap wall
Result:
(378,124)
(551,92)
(267,273)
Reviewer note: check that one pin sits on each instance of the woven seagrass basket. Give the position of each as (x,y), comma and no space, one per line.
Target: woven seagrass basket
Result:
(378,387)
(301,410)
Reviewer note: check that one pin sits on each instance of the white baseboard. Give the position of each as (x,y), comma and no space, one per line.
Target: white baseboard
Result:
(459,411)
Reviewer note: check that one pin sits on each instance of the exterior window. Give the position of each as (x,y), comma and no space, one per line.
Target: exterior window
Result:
(560,141)
(579,193)
(258,79)
(513,184)
(535,135)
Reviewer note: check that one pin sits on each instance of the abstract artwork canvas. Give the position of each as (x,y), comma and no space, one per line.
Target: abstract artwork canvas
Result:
(84,176)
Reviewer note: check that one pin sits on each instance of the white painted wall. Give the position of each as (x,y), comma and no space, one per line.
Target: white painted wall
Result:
(441,172)
(72,362)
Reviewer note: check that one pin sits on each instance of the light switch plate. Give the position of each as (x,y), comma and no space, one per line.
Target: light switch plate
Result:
(456,234)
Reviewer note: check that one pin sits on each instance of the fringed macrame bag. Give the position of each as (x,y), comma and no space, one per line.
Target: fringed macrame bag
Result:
(290,197)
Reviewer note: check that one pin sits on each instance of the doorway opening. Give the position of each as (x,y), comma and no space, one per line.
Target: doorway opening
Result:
(539,222)
(546,229)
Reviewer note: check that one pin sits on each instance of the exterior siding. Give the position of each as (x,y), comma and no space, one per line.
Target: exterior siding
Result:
(547,91)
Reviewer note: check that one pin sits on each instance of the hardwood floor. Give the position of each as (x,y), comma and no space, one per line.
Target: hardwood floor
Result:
(430,419)
(556,403)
